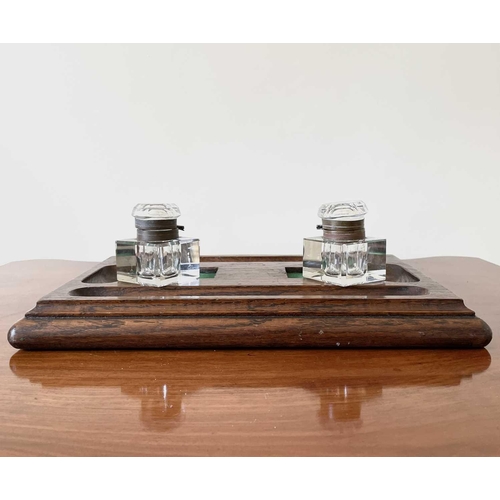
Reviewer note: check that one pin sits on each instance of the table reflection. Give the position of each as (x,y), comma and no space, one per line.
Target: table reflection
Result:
(342,381)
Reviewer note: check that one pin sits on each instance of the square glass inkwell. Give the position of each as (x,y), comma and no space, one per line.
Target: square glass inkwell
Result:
(158,256)
(343,255)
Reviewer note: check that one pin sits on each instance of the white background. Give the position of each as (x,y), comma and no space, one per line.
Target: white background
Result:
(249,140)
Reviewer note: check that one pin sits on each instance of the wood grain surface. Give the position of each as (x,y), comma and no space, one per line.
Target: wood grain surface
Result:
(250,402)
(250,304)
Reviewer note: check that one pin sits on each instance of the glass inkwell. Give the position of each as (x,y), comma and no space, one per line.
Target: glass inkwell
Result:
(343,255)
(158,256)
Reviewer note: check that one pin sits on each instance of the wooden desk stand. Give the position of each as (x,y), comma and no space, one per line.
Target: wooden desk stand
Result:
(250,302)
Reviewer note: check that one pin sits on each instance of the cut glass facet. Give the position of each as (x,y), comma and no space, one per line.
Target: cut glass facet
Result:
(156,211)
(156,267)
(344,264)
(158,264)
(345,210)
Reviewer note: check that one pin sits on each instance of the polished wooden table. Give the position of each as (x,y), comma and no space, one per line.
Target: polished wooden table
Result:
(266,402)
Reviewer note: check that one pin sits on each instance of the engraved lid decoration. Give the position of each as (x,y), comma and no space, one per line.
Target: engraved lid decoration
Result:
(156,211)
(345,210)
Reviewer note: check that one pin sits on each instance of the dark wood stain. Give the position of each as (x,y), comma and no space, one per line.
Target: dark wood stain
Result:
(250,303)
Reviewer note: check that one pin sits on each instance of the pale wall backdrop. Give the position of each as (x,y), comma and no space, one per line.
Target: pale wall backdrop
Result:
(249,140)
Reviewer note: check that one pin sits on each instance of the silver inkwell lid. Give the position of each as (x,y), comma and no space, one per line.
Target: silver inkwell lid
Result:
(343,221)
(156,221)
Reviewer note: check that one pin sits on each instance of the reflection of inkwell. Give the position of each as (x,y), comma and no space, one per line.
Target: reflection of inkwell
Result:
(342,380)
(341,405)
(161,409)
